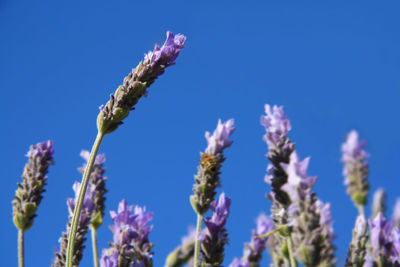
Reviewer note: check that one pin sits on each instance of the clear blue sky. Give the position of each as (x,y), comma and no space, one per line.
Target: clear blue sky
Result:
(334,65)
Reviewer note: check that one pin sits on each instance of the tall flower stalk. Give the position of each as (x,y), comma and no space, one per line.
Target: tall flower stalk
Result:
(97,181)
(30,192)
(355,170)
(207,178)
(118,107)
(312,232)
(277,127)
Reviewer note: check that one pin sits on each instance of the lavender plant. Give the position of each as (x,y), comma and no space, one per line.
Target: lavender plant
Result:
(280,147)
(118,107)
(207,178)
(30,192)
(298,231)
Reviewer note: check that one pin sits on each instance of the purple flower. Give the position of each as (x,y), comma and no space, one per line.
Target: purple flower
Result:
(218,141)
(30,192)
(355,168)
(207,178)
(130,235)
(353,151)
(168,53)
(123,231)
(239,263)
(137,82)
(277,126)
(252,252)
(325,221)
(298,183)
(109,258)
(214,237)
(220,213)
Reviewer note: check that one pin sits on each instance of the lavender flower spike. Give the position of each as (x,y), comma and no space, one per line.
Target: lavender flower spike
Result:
(355,169)
(82,229)
(277,128)
(207,178)
(130,238)
(312,231)
(215,237)
(29,193)
(252,252)
(378,202)
(136,83)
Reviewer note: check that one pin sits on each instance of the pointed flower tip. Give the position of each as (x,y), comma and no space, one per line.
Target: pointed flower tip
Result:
(42,149)
(353,148)
(298,183)
(218,141)
(276,125)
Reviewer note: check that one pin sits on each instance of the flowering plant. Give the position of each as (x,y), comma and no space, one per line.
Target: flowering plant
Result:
(299,229)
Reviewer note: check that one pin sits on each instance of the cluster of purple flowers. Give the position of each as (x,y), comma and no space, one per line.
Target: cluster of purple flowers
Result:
(130,246)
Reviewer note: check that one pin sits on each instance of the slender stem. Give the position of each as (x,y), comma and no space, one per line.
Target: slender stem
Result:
(293,262)
(79,203)
(94,247)
(197,241)
(361,210)
(20,248)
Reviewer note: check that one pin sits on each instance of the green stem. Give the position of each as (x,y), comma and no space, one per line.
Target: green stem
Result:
(20,248)
(293,262)
(94,247)
(79,202)
(197,241)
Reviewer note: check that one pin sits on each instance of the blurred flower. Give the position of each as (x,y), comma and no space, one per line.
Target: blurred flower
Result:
(355,168)
(357,250)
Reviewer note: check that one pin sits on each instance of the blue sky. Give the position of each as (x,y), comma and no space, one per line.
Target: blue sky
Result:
(333,65)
